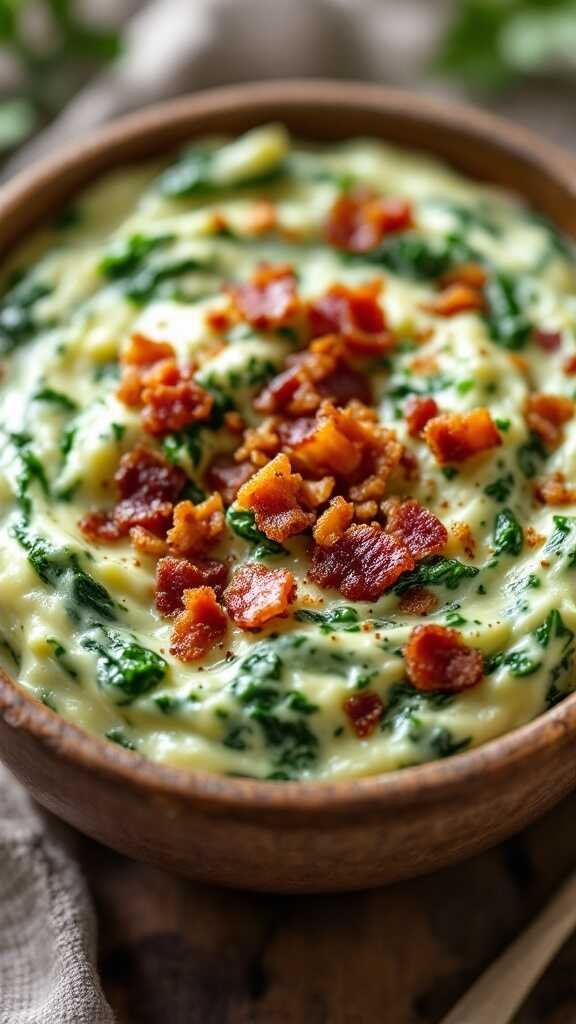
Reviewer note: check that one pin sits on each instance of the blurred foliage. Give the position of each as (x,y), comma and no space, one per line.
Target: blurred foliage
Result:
(53,50)
(493,43)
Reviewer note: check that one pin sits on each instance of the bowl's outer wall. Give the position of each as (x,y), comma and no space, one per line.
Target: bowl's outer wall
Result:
(343,836)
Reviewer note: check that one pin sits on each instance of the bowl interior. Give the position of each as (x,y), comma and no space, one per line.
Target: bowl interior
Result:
(479,145)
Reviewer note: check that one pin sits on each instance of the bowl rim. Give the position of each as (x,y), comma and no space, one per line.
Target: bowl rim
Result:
(296,801)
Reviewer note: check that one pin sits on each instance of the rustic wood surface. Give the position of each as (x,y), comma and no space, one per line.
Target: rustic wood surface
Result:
(172,952)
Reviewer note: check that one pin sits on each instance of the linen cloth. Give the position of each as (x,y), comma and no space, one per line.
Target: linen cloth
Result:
(48,971)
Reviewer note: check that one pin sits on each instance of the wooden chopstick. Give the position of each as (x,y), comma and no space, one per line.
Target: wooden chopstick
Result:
(501,990)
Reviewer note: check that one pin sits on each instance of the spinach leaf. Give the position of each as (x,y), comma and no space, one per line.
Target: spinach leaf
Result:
(123,664)
(55,398)
(31,470)
(242,522)
(342,619)
(436,572)
(17,307)
(552,627)
(507,324)
(127,262)
(127,255)
(508,535)
(501,488)
(423,259)
(530,455)
(59,567)
(193,176)
(521,663)
(118,735)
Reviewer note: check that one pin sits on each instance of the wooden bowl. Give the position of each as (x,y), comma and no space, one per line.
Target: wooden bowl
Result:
(295,837)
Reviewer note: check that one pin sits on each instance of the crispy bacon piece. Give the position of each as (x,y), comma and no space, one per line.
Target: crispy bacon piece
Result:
(471,274)
(320,445)
(465,537)
(548,341)
(456,298)
(360,219)
(546,414)
(362,563)
(418,528)
(261,217)
(273,496)
(553,490)
(316,492)
(355,314)
(333,522)
(100,527)
(171,406)
(196,527)
(269,300)
(418,410)
(147,543)
(417,601)
(363,711)
(438,659)
(569,366)
(175,575)
(199,627)
(457,436)
(147,486)
(257,594)
(226,476)
(137,356)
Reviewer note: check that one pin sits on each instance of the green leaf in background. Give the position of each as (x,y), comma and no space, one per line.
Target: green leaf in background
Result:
(17,121)
(492,43)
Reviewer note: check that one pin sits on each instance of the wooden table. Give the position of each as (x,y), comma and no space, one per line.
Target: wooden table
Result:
(173,952)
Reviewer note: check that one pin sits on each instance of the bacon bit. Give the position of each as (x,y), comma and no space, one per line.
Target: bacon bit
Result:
(227,477)
(532,537)
(142,351)
(554,490)
(549,341)
(364,711)
(175,575)
(570,366)
(147,486)
(362,564)
(455,437)
(438,659)
(273,495)
(456,298)
(196,527)
(129,390)
(471,274)
(409,465)
(322,371)
(344,385)
(316,492)
(418,410)
(365,511)
(257,594)
(545,415)
(147,543)
(199,627)
(100,527)
(333,522)
(417,601)
(465,537)
(355,314)
(171,406)
(320,446)
(261,217)
(218,320)
(259,443)
(425,364)
(359,220)
(269,300)
(416,527)
(234,422)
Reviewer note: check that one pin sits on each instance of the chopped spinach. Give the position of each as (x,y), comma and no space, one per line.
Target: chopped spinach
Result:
(552,627)
(59,567)
(521,663)
(241,522)
(55,398)
(17,311)
(423,259)
(530,456)
(118,735)
(127,255)
(123,664)
(506,322)
(342,619)
(31,470)
(436,572)
(501,488)
(508,534)
(193,175)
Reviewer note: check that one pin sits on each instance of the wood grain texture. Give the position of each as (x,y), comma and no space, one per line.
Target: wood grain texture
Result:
(295,837)
(172,950)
